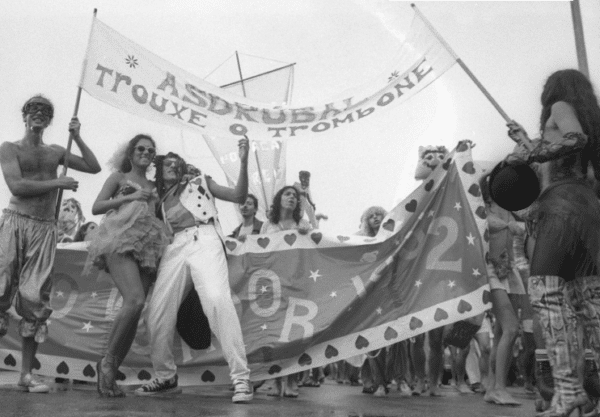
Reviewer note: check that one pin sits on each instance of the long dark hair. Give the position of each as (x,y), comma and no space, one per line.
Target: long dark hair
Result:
(125,165)
(275,213)
(572,87)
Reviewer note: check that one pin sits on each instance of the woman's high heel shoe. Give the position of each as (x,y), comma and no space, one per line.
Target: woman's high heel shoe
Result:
(107,387)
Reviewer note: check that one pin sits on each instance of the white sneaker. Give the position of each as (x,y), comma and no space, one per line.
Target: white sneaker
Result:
(29,383)
(243,391)
(380,392)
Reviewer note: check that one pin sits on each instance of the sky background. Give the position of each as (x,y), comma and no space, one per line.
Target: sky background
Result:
(512,47)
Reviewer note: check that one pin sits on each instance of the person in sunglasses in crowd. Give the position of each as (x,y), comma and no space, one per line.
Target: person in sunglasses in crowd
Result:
(28,230)
(128,245)
(195,258)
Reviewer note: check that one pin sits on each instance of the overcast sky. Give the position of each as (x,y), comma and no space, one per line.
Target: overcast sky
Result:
(511,47)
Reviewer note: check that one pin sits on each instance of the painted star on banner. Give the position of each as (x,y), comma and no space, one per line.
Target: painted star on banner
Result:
(476,272)
(379,311)
(471,239)
(418,283)
(87,326)
(394,75)
(314,275)
(263,327)
(451,284)
(60,294)
(131,61)
(333,294)
(457,206)
(263,289)
(431,213)
(94,294)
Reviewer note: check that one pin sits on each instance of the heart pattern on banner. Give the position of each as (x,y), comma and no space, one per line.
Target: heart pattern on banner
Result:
(89,371)
(231,245)
(290,239)
(440,315)
(263,242)
(411,206)
(361,342)
(62,368)
(10,360)
(331,352)
(415,323)
(304,360)
(207,376)
(316,237)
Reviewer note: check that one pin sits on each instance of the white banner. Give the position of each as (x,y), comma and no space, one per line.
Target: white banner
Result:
(129,77)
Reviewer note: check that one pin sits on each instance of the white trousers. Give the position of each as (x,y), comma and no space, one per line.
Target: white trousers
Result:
(196,257)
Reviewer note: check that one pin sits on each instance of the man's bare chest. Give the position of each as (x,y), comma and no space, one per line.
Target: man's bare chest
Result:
(38,161)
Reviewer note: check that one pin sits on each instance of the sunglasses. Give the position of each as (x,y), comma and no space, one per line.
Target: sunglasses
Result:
(142,149)
(170,162)
(33,108)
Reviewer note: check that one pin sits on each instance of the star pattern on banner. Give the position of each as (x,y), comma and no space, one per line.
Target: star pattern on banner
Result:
(60,294)
(471,239)
(333,294)
(379,310)
(476,272)
(457,206)
(94,294)
(394,75)
(263,327)
(263,289)
(131,61)
(314,275)
(431,213)
(451,284)
(418,283)
(87,326)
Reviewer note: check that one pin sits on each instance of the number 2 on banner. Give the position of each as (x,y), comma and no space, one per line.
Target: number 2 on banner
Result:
(433,259)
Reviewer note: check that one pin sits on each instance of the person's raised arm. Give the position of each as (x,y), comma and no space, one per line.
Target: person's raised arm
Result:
(87,162)
(24,187)
(104,202)
(240,192)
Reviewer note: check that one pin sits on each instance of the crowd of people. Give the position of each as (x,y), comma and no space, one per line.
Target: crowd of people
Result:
(164,231)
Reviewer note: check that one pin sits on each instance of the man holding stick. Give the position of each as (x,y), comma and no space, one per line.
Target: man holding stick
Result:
(28,230)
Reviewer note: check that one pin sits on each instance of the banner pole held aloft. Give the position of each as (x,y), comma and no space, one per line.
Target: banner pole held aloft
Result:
(460,62)
(70,141)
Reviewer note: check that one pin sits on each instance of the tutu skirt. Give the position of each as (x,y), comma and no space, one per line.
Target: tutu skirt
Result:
(131,230)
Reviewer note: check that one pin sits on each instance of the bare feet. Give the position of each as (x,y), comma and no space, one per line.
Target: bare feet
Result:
(500,397)
(463,389)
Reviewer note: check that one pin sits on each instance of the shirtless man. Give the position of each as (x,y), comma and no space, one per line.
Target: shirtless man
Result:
(28,229)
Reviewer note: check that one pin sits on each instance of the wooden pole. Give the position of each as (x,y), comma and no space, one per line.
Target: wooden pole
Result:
(460,62)
(70,141)
(579,38)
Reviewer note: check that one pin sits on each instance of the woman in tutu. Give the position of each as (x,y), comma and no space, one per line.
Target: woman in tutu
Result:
(128,244)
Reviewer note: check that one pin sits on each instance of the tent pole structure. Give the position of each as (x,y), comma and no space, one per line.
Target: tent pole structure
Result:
(262,183)
(524,140)
(579,39)
(237,57)
(70,141)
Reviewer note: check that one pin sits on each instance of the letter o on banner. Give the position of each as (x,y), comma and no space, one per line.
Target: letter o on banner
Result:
(142,97)
(320,127)
(253,292)
(385,99)
(238,129)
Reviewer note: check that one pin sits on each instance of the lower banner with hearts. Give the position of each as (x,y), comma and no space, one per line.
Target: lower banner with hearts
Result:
(303,300)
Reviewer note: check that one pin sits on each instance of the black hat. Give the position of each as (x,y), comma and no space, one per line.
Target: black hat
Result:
(513,187)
